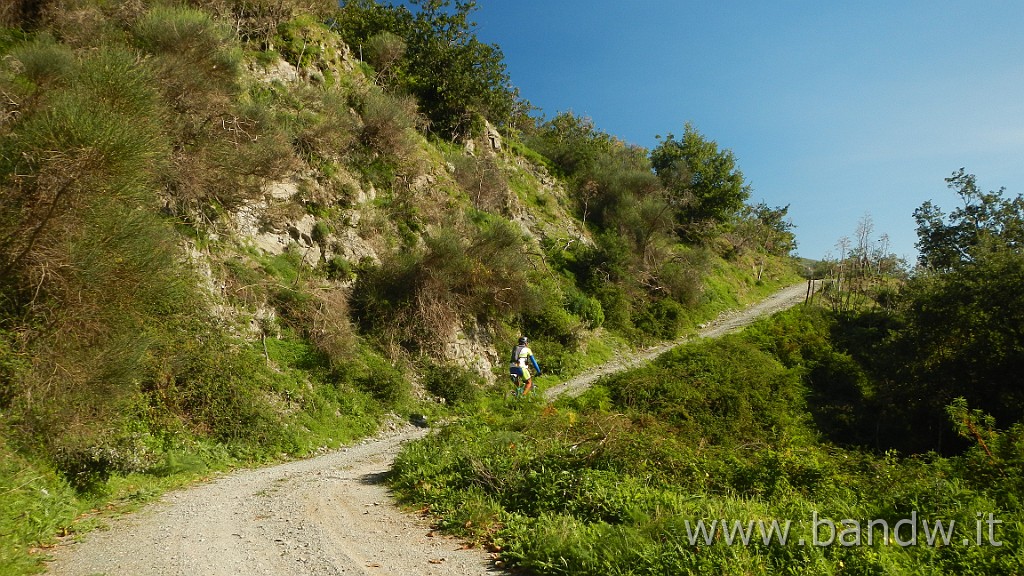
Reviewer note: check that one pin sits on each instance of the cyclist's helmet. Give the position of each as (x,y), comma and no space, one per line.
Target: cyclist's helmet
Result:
(523,340)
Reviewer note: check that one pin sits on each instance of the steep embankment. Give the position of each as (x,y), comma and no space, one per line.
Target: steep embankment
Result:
(323,516)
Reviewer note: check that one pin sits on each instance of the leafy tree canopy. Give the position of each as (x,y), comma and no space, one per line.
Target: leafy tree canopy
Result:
(573,143)
(988,218)
(962,332)
(456,77)
(770,228)
(702,181)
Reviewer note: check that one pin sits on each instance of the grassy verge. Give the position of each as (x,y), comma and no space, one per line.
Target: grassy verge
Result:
(35,504)
(234,406)
(38,504)
(719,433)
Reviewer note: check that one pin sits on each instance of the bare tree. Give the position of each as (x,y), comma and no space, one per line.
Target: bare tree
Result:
(840,274)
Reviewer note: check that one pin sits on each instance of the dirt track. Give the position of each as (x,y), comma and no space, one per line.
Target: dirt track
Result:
(724,324)
(323,516)
(327,515)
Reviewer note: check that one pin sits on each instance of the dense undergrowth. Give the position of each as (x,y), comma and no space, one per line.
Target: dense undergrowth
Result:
(728,431)
(878,430)
(227,241)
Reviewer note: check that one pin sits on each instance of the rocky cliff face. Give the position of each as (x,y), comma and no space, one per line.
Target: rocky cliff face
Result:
(331,217)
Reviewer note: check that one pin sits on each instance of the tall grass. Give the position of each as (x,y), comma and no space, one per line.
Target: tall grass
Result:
(43,61)
(195,53)
(35,504)
(615,481)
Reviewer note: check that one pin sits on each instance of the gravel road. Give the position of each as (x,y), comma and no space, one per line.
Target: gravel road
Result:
(323,516)
(727,322)
(328,515)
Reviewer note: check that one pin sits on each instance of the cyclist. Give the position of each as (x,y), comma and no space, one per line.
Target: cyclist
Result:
(523,367)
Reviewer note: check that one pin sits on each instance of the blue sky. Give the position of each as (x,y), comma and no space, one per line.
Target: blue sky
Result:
(838,109)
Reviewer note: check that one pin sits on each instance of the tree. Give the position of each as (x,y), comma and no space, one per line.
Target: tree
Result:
(764,231)
(774,234)
(572,143)
(945,242)
(702,181)
(962,311)
(611,179)
(456,77)
(963,336)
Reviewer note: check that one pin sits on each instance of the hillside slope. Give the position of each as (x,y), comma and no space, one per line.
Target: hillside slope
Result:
(326,515)
(227,240)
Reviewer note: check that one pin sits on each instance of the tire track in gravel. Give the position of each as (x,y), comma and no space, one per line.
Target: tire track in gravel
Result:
(325,516)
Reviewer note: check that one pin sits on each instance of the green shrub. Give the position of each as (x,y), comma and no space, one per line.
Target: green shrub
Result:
(43,62)
(552,321)
(227,163)
(88,468)
(382,380)
(338,268)
(114,78)
(482,179)
(383,297)
(305,42)
(327,324)
(223,153)
(82,203)
(683,280)
(457,385)
(190,38)
(592,492)
(324,129)
(385,51)
(285,267)
(221,389)
(103,132)
(715,430)
(289,351)
(321,231)
(545,316)
(587,308)
(724,391)
(389,125)
(617,308)
(663,319)
(258,21)
(415,297)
